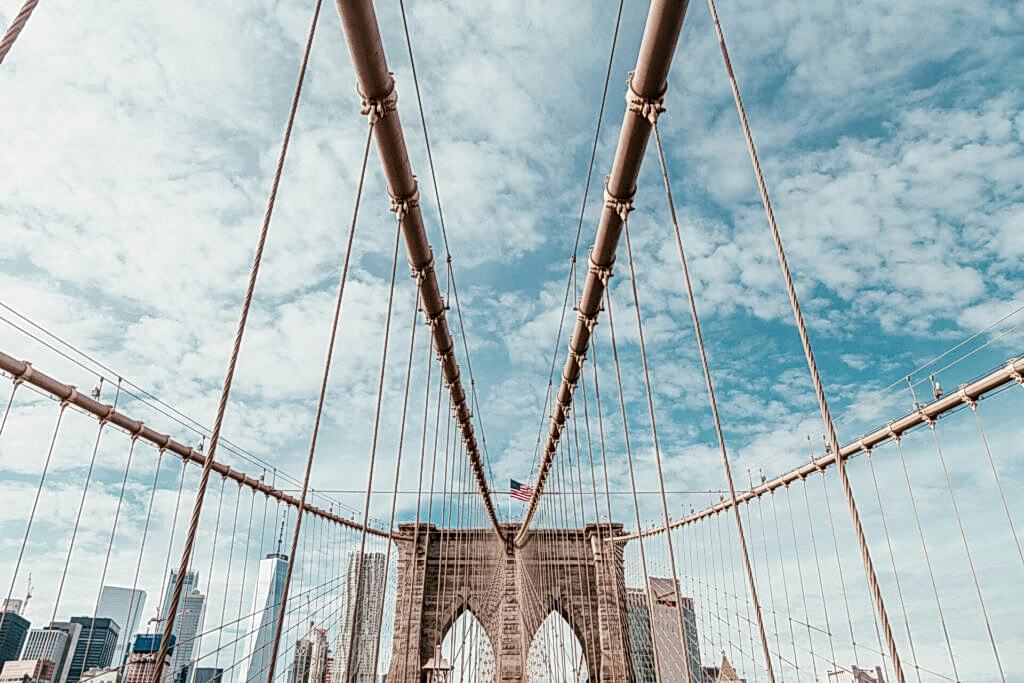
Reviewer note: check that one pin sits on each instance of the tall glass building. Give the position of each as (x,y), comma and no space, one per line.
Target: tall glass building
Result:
(187,623)
(123,605)
(263,620)
(13,630)
(96,645)
(360,618)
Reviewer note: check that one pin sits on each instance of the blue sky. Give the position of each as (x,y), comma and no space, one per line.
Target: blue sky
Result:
(140,141)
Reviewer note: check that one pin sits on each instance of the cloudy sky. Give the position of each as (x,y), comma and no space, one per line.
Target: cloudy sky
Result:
(140,141)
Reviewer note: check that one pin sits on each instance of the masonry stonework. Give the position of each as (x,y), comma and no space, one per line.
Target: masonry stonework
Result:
(572,572)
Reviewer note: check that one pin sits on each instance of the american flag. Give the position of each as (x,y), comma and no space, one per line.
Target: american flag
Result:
(519,491)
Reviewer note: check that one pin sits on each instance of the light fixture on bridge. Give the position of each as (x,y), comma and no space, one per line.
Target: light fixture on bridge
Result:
(437,667)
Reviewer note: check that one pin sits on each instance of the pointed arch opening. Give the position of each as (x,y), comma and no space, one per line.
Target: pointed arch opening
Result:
(468,649)
(556,653)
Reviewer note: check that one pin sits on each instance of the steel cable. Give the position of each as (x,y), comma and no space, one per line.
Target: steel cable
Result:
(833,439)
(197,508)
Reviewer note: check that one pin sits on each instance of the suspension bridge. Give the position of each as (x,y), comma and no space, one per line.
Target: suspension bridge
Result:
(887,555)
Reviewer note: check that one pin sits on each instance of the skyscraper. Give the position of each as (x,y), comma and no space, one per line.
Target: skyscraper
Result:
(96,646)
(47,644)
(73,632)
(638,631)
(13,630)
(299,672)
(309,665)
(187,622)
(360,618)
(263,620)
(667,603)
(123,605)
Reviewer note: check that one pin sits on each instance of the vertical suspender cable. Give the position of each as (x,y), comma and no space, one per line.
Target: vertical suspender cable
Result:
(657,454)
(632,479)
(833,439)
(190,539)
(712,401)
(361,557)
(342,279)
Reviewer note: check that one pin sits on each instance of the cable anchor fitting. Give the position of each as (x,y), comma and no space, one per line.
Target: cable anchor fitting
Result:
(604,273)
(376,108)
(1011,367)
(970,402)
(419,273)
(622,206)
(647,107)
(401,206)
(27,373)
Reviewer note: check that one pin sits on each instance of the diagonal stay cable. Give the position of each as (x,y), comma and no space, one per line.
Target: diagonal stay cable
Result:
(833,439)
(186,554)
(16,27)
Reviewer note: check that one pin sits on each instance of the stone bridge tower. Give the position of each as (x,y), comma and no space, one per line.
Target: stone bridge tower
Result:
(511,591)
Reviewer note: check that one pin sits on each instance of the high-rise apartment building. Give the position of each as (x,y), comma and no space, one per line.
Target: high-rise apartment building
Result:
(360,618)
(73,632)
(309,664)
(96,646)
(123,605)
(187,623)
(13,631)
(262,627)
(48,644)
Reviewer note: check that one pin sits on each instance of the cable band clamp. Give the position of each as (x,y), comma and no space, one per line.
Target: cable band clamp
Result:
(401,206)
(966,398)
(376,108)
(428,267)
(647,107)
(1014,372)
(604,273)
(27,373)
(622,206)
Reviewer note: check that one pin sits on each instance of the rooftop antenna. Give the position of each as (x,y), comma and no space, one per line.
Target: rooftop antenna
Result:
(280,537)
